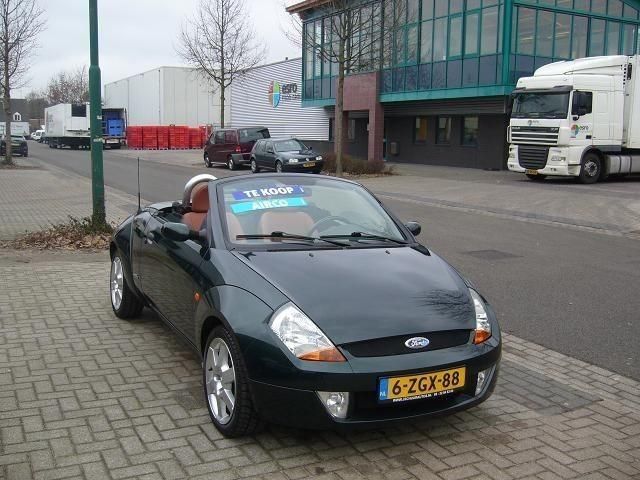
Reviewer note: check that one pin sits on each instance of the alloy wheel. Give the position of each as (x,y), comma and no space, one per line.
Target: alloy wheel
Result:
(231,164)
(207,163)
(220,381)
(279,167)
(116,282)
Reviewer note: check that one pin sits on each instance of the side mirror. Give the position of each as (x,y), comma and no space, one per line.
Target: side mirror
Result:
(179,232)
(414,227)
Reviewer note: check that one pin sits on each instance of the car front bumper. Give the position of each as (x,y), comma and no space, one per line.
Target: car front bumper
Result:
(298,405)
(300,166)
(241,158)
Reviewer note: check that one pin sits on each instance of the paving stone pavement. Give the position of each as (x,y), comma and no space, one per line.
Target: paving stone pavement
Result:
(86,395)
(38,198)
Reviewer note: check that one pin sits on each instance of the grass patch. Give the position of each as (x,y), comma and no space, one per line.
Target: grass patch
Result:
(356,166)
(76,234)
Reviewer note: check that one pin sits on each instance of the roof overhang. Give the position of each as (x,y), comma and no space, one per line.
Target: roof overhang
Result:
(306,5)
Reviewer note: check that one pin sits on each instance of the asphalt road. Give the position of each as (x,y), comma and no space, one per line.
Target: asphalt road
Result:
(573,291)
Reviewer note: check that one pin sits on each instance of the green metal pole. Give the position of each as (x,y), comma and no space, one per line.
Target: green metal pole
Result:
(95,94)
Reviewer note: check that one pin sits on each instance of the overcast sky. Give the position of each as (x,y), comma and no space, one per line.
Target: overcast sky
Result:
(136,35)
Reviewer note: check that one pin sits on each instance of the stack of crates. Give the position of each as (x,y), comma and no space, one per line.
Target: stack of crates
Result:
(163,138)
(134,137)
(150,138)
(178,137)
(195,138)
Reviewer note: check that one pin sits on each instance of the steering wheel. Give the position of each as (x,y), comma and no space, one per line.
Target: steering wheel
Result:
(333,218)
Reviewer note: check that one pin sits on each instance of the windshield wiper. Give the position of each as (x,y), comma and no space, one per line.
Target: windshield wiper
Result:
(365,236)
(290,236)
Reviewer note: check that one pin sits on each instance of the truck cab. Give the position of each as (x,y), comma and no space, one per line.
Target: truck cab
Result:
(576,118)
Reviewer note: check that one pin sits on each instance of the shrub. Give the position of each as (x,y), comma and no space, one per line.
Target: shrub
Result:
(356,166)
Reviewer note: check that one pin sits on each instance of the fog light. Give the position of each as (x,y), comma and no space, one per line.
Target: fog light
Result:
(336,403)
(483,376)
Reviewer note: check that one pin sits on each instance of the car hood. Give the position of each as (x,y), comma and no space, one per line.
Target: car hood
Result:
(368,293)
(300,155)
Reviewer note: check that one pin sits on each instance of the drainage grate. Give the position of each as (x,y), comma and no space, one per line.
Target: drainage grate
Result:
(491,254)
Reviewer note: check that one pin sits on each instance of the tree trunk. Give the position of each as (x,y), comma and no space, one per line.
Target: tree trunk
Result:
(222,102)
(339,140)
(8,155)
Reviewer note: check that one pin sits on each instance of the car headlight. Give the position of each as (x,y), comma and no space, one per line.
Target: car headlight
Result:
(482,332)
(319,157)
(293,160)
(302,337)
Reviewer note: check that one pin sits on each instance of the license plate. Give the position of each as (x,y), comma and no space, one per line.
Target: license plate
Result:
(310,164)
(422,385)
(113,140)
(531,172)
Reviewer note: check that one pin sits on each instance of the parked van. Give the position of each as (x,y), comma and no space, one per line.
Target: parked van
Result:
(37,135)
(232,146)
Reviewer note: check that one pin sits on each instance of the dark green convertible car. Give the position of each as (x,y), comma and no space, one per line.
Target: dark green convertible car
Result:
(308,302)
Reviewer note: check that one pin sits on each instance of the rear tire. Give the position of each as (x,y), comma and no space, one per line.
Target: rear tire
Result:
(590,169)
(124,302)
(207,162)
(230,163)
(254,166)
(536,178)
(226,380)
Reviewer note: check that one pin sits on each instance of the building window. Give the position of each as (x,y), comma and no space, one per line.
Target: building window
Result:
(443,136)
(17,117)
(420,133)
(470,131)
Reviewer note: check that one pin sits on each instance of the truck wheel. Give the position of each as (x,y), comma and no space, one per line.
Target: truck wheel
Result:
(536,178)
(590,169)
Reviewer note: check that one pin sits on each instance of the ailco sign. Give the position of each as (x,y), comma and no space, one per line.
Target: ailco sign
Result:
(282,91)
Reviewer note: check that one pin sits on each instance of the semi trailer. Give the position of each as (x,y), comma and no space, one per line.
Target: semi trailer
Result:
(578,118)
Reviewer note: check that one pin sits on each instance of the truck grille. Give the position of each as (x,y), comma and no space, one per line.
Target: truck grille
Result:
(535,135)
(533,156)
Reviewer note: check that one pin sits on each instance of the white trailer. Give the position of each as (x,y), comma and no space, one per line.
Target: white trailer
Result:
(68,125)
(577,118)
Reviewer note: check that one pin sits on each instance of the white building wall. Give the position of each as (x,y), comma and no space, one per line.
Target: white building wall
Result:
(251,106)
(166,96)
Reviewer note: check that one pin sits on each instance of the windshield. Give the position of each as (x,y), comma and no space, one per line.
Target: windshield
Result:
(306,206)
(252,134)
(289,146)
(541,105)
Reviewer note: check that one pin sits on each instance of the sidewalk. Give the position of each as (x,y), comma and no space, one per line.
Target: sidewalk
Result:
(36,199)
(86,395)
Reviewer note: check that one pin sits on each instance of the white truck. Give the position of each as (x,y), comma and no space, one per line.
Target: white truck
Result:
(578,118)
(67,125)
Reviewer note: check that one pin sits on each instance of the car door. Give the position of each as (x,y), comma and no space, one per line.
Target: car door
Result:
(218,147)
(268,156)
(169,275)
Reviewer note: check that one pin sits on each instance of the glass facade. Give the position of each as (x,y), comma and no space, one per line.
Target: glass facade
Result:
(439,45)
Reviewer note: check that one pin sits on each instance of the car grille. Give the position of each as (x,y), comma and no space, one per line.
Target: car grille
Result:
(383,347)
(535,135)
(533,157)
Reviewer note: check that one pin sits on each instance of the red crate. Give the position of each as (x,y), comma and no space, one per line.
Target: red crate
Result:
(163,138)
(178,137)
(134,137)
(195,138)
(150,137)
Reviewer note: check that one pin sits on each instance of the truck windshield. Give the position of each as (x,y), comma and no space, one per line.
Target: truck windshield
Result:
(541,105)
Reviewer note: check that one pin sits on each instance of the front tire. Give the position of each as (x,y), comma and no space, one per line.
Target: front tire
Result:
(590,169)
(207,162)
(254,166)
(124,302)
(278,166)
(226,386)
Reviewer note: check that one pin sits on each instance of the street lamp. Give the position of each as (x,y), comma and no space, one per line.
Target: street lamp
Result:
(95,95)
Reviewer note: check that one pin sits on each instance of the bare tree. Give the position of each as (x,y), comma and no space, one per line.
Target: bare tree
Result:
(355,38)
(68,87)
(219,42)
(21,21)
